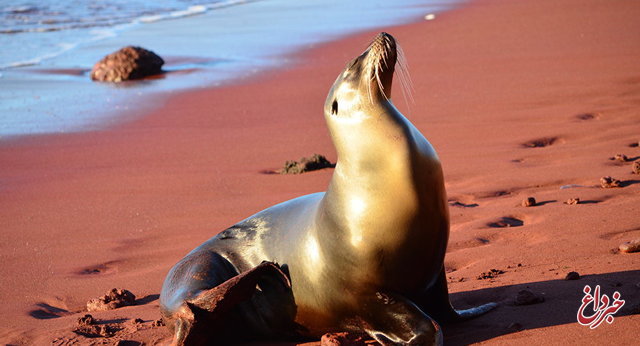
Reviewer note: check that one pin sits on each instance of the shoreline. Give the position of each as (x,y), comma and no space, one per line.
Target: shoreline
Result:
(210,49)
(86,212)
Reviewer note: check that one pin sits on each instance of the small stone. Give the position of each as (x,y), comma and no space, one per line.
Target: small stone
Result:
(491,274)
(86,320)
(634,144)
(526,297)
(113,299)
(529,202)
(620,157)
(87,326)
(636,167)
(158,323)
(573,201)
(572,276)
(609,182)
(630,246)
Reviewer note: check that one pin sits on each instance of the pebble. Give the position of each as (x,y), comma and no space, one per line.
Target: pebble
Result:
(621,158)
(573,201)
(609,182)
(529,202)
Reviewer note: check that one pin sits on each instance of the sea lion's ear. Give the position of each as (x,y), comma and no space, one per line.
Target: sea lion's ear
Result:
(334,107)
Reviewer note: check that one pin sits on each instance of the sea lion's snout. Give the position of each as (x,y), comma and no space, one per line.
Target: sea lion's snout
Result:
(382,55)
(383,51)
(384,41)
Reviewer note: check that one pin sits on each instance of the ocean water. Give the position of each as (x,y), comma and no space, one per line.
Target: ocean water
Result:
(49,47)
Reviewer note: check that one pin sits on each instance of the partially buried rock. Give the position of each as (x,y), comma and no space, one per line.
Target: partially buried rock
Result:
(630,246)
(342,339)
(620,157)
(126,64)
(572,276)
(114,299)
(306,164)
(86,320)
(491,274)
(529,202)
(609,182)
(89,327)
(526,297)
(636,167)
(158,323)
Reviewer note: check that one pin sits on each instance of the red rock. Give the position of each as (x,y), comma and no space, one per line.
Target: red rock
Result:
(126,64)
(114,299)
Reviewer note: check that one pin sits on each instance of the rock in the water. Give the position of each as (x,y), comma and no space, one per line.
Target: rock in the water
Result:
(114,299)
(126,64)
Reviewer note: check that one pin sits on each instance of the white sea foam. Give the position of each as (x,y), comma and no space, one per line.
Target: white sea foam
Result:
(88,32)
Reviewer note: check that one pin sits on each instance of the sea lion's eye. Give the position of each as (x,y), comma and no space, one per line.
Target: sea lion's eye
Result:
(334,107)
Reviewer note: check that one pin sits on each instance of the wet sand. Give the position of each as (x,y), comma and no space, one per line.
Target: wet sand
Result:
(519,99)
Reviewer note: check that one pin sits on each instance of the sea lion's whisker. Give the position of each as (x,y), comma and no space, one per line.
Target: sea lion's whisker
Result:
(404,77)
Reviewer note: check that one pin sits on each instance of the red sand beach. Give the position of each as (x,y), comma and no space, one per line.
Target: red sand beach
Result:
(518,98)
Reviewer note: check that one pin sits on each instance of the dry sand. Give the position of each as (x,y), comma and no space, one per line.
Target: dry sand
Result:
(519,98)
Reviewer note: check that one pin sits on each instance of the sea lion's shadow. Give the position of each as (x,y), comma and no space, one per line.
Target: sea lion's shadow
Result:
(562,300)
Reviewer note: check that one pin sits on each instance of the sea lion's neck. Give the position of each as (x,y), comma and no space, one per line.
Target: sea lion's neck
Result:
(372,190)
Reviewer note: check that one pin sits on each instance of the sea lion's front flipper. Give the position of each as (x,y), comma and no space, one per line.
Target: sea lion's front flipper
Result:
(394,320)
(208,316)
(435,302)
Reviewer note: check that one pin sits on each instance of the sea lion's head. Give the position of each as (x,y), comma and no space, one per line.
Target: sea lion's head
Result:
(359,101)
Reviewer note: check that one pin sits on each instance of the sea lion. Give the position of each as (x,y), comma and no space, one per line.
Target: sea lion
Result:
(365,256)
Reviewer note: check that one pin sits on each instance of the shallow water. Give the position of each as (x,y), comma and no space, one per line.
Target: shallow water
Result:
(49,47)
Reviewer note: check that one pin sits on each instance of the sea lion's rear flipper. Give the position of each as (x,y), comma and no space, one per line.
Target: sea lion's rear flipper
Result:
(394,320)
(435,302)
(209,317)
